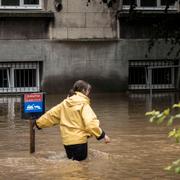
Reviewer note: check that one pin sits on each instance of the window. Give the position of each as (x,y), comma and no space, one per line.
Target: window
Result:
(137,72)
(149,4)
(10,2)
(158,74)
(20,4)
(162,76)
(25,78)
(4,77)
(32,2)
(19,77)
(171,2)
(126,2)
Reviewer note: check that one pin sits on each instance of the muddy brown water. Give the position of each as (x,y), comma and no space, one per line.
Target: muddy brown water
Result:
(138,149)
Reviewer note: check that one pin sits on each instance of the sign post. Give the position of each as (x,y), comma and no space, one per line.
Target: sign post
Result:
(33,106)
(32,137)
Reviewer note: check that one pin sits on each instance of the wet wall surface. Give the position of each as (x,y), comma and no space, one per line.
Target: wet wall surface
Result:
(138,149)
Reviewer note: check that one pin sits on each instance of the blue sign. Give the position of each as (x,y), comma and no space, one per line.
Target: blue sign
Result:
(33,107)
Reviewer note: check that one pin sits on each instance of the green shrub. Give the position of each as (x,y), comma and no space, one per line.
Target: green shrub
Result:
(168,116)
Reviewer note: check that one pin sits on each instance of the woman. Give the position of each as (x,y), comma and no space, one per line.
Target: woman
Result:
(76,120)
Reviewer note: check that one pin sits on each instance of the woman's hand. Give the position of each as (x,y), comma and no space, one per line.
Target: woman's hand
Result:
(107,139)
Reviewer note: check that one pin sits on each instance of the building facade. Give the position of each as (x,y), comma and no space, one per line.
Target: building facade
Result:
(48,44)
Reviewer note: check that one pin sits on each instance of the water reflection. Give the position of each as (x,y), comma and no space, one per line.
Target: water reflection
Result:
(149,102)
(9,109)
(10,106)
(139,150)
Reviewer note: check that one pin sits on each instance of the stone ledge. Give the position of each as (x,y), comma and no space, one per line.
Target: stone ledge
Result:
(26,14)
(148,14)
(85,40)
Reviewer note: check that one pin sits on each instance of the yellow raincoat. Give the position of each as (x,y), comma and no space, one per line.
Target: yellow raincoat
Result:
(75,118)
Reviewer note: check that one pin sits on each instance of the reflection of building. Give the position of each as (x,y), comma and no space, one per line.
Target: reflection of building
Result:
(45,47)
(10,107)
(140,103)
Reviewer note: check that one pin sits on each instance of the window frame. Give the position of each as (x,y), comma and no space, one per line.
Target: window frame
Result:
(148,73)
(158,7)
(11,67)
(23,6)
(8,77)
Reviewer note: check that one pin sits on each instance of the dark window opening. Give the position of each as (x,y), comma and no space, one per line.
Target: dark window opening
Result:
(29,2)
(25,78)
(3,78)
(126,2)
(162,76)
(149,3)
(164,2)
(10,2)
(20,76)
(137,75)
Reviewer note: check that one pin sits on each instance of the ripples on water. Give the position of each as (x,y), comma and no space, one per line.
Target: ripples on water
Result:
(139,150)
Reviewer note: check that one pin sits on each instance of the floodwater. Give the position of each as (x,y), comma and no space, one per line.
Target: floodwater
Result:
(138,149)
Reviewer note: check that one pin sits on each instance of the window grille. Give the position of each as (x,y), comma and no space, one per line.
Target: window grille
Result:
(152,74)
(20,4)
(25,78)
(149,4)
(171,2)
(19,77)
(4,76)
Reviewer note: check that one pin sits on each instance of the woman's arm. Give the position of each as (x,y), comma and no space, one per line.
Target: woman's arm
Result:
(50,118)
(92,123)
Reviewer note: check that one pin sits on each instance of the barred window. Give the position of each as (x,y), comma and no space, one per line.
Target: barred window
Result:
(147,4)
(10,3)
(28,4)
(25,78)
(31,2)
(20,77)
(4,77)
(171,2)
(126,2)
(159,74)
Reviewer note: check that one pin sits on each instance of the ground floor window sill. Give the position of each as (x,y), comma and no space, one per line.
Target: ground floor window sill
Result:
(26,14)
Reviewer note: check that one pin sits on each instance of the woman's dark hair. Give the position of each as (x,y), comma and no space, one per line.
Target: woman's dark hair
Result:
(79,86)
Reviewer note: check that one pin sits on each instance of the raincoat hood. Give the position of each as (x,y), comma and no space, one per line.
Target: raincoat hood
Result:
(77,99)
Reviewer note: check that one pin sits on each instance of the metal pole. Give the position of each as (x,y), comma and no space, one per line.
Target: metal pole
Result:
(150,81)
(32,137)
(150,87)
